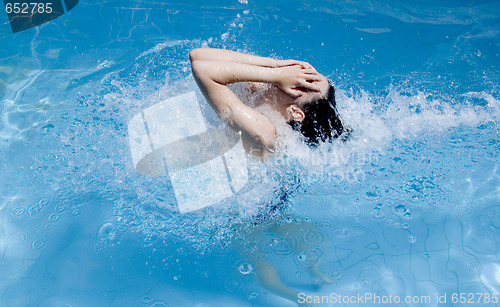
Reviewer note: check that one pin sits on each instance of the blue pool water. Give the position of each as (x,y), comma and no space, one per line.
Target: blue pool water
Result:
(408,207)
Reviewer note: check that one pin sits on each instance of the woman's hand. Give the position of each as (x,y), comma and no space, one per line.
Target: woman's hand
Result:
(295,79)
(284,63)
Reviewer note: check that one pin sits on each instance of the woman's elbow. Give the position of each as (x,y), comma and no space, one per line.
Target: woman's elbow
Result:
(198,67)
(196,54)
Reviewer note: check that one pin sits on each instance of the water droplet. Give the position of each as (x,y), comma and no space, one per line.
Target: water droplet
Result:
(146,299)
(150,240)
(426,255)
(377,213)
(37,207)
(405,226)
(245,268)
(17,238)
(352,211)
(54,217)
(61,208)
(106,231)
(471,266)
(412,239)
(310,256)
(400,209)
(282,246)
(324,225)
(77,212)
(232,284)
(18,212)
(314,237)
(342,233)
(335,211)
(176,277)
(37,244)
(407,215)
(47,128)
(49,227)
(253,295)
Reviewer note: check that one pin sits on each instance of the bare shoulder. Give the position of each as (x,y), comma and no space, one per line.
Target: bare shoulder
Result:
(249,87)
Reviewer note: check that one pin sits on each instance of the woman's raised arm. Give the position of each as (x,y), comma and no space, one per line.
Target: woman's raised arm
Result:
(212,77)
(213,54)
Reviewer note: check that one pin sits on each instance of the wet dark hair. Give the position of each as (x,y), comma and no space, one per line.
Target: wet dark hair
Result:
(321,121)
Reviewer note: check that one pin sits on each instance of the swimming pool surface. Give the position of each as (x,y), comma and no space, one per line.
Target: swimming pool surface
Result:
(409,207)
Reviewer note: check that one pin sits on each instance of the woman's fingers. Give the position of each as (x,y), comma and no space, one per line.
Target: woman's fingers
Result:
(284,63)
(294,92)
(295,80)
(309,82)
(310,71)
(311,74)
(287,63)
(305,65)
(302,64)
(310,86)
(312,78)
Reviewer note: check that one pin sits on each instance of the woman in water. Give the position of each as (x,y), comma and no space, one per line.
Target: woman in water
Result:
(259,96)
(294,90)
